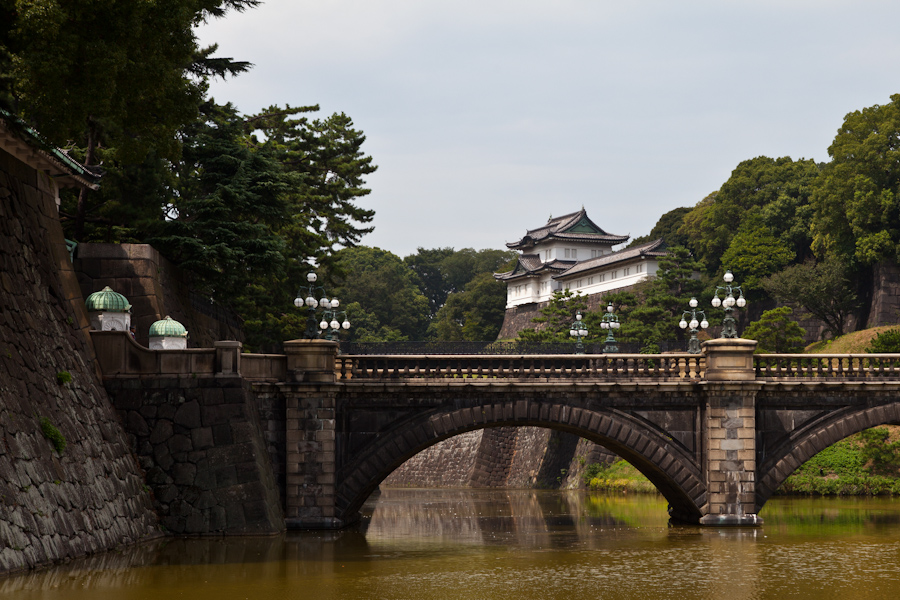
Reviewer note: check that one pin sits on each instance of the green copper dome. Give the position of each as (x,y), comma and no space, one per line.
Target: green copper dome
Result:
(107,300)
(168,327)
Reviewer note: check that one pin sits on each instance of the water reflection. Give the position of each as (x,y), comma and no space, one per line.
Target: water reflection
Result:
(454,544)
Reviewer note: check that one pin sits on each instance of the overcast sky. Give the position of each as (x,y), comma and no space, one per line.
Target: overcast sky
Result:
(486,117)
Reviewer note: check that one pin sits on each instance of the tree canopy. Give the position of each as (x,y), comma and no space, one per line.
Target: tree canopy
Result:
(774,193)
(857,209)
(822,289)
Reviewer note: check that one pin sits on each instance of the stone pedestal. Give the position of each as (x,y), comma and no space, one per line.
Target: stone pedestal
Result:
(729,359)
(311,361)
(730,433)
(228,358)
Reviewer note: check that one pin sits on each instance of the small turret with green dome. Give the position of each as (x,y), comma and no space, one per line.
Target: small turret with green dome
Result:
(108,310)
(168,334)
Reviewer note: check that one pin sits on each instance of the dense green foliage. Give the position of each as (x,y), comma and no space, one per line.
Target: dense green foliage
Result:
(761,192)
(110,80)
(380,292)
(885,342)
(474,313)
(445,271)
(556,318)
(823,289)
(668,227)
(867,463)
(776,332)
(857,208)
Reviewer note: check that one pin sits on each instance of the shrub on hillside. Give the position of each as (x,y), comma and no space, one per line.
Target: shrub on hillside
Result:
(776,332)
(887,342)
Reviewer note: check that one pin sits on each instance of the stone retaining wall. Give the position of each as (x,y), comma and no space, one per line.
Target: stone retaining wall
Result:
(448,464)
(202,446)
(89,497)
(513,457)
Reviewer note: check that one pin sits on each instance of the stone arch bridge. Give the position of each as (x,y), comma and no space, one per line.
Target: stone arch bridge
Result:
(717,433)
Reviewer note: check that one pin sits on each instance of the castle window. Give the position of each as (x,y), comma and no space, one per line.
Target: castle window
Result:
(627,271)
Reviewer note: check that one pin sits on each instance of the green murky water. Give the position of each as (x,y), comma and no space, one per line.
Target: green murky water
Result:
(517,545)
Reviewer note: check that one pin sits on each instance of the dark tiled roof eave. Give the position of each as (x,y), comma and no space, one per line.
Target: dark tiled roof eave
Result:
(556,265)
(555,229)
(652,249)
(61,166)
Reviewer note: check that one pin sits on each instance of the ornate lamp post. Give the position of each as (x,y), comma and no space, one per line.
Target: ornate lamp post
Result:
(610,322)
(729,329)
(578,330)
(328,306)
(694,324)
(330,320)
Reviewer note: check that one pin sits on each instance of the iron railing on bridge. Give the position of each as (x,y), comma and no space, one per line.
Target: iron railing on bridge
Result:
(535,367)
(514,347)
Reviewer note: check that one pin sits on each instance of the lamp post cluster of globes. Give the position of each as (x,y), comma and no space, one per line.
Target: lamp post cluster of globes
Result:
(693,318)
(331,317)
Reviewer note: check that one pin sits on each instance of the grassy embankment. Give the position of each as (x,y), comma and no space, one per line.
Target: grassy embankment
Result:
(867,463)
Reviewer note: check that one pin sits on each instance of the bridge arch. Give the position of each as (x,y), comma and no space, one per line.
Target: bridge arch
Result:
(807,441)
(672,468)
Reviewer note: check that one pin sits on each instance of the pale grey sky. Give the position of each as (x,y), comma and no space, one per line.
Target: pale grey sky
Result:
(487,117)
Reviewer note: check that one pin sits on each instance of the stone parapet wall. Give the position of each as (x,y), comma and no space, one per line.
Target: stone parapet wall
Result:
(89,497)
(202,446)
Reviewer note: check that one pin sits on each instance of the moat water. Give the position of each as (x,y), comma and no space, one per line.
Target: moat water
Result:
(515,545)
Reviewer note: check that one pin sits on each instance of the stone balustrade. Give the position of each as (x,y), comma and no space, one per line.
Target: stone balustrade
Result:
(120,356)
(658,367)
(780,367)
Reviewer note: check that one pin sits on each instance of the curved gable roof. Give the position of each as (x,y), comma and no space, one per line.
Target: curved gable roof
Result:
(575,226)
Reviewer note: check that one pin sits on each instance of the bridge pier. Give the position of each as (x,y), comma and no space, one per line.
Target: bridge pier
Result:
(730,433)
(310,400)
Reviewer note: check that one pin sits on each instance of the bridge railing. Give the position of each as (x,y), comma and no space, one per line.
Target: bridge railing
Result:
(604,367)
(827,366)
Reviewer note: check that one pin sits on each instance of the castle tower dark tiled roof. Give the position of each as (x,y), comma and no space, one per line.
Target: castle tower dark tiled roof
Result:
(574,227)
(654,249)
(530,264)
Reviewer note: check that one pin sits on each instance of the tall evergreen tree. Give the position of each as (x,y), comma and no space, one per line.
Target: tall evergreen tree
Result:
(110,80)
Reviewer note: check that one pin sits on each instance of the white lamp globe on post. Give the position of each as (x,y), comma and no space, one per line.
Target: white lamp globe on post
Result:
(329,317)
(610,323)
(729,327)
(578,330)
(694,324)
